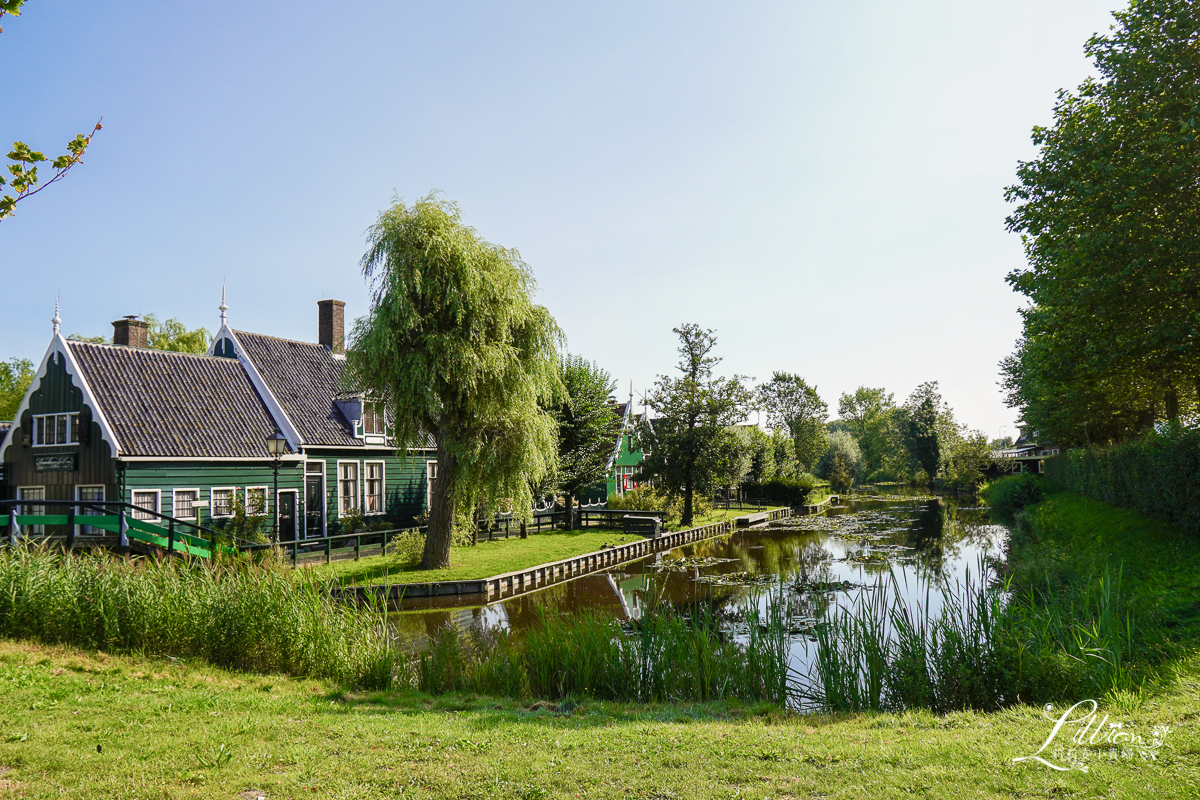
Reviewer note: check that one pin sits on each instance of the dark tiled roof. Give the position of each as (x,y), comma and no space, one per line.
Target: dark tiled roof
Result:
(176,404)
(305,379)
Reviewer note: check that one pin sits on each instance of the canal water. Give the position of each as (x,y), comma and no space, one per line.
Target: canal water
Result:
(928,544)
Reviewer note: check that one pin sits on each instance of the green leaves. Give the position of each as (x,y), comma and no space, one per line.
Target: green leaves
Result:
(12,7)
(456,347)
(792,404)
(25,175)
(15,376)
(588,424)
(1109,214)
(686,442)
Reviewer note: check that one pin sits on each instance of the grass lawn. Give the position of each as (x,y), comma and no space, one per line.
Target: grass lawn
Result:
(495,557)
(78,724)
(481,561)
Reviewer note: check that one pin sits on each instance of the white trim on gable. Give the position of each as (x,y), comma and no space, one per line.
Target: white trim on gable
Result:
(277,413)
(58,345)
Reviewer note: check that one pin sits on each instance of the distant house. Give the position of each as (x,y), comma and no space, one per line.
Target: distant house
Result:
(627,455)
(185,435)
(1027,453)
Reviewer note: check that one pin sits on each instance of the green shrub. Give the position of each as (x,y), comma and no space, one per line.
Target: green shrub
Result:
(1157,475)
(1015,493)
(793,492)
(842,447)
(650,500)
(638,500)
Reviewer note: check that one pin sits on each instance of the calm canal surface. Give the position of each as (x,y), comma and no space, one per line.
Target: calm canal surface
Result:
(822,562)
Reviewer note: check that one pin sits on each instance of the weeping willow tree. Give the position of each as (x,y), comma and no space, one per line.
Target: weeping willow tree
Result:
(455,347)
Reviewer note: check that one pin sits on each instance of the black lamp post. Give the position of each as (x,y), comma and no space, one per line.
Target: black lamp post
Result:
(277,445)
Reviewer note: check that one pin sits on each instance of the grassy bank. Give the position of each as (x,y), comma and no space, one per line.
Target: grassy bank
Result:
(496,557)
(174,729)
(477,561)
(1091,601)
(244,616)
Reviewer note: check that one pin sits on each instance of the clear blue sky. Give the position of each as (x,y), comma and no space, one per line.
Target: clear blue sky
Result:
(822,183)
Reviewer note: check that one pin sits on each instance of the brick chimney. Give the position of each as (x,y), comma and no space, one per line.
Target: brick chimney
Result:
(131,332)
(331,325)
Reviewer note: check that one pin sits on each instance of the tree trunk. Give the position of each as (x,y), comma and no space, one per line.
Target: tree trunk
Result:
(686,520)
(570,511)
(441,511)
(1172,405)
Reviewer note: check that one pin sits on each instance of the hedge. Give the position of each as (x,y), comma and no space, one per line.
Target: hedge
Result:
(1157,475)
(782,492)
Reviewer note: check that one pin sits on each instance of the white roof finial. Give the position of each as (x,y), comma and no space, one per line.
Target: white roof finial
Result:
(222,308)
(56,321)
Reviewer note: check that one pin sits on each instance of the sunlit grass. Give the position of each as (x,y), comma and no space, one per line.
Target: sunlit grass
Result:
(483,560)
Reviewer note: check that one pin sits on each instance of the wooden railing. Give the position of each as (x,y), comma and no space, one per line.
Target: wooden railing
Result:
(123,519)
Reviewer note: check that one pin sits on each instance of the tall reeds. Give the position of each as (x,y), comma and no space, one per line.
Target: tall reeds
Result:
(985,648)
(235,614)
(666,656)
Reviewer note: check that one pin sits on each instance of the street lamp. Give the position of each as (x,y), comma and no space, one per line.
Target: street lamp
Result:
(277,445)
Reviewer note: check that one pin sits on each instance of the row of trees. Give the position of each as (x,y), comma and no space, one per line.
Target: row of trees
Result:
(1109,213)
(694,442)
(875,439)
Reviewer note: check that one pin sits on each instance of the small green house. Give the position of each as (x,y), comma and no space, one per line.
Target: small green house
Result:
(186,435)
(627,455)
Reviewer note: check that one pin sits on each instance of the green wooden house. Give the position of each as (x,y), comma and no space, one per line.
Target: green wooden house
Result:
(186,435)
(627,455)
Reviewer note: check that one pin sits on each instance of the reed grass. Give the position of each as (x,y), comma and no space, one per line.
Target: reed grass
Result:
(235,614)
(666,656)
(986,648)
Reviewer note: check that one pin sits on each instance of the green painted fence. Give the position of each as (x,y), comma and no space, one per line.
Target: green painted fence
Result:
(136,529)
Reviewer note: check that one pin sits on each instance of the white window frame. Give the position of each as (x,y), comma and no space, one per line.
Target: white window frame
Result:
(157,503)
(382,487)
(266,492)
(72,427)
(81,530)
(175,504)
(358,470)
(212,504)
(430,475)
(32,530)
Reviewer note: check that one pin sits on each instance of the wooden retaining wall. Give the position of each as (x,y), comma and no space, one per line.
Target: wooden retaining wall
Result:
(500,587)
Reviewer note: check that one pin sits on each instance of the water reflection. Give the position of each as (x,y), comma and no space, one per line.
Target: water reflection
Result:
(822,562)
